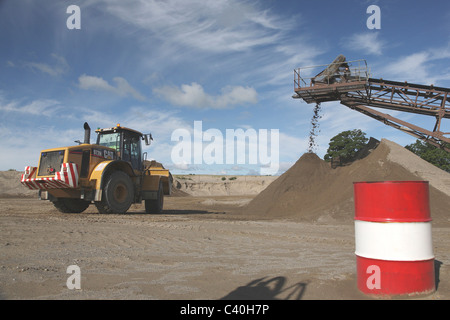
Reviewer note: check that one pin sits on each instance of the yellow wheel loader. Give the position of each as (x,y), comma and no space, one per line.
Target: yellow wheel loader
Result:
(112,174)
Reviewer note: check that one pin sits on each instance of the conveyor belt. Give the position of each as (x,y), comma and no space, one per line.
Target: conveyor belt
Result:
(363,94)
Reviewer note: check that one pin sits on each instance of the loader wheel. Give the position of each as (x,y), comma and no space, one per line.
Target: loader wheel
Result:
(118,194)
(69,205)
(156,206)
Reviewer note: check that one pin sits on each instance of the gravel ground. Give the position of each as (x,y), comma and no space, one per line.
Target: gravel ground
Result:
(206,250)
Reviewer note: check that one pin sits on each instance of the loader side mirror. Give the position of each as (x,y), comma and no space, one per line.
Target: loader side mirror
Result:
(148,139)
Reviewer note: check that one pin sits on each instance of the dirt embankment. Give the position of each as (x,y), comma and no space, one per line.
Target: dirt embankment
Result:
(311,191)
(11,187)
(211,185)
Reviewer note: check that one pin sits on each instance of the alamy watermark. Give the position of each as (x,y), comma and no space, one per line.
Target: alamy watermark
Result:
(374,280)
(374,21)
(74,20)
(236,146)
(74,280)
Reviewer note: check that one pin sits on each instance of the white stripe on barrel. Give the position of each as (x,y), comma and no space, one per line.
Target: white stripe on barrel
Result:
(394,241)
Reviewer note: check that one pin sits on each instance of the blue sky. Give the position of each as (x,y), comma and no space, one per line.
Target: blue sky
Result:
(158,66)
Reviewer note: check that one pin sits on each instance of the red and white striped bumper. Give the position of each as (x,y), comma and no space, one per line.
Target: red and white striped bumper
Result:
(66,178)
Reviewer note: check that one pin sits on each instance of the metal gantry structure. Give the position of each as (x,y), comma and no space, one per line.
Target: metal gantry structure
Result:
(350,83)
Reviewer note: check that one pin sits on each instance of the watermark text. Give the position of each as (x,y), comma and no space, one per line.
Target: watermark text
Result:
(74,281)
(237,146)
(374,20)
(74,20)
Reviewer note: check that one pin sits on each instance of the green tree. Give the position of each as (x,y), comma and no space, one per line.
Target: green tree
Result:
(438,157)
(345,145)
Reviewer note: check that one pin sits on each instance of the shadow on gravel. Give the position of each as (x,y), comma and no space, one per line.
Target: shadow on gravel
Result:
(268,289)
(437,268)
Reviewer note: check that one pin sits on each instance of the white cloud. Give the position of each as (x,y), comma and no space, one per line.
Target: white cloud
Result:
(412,66)
(214,26)
(276,66)
(368,42)
(122,88)
(440,53)
(46,107)
(59,67)
(419,67)
(193,95)
(94,83)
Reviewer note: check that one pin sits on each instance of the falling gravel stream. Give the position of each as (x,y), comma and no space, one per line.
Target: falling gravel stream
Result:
(312,145)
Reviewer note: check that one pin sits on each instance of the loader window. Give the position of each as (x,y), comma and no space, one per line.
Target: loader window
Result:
(110,140)
(50,163)
(132,150)
(136,153)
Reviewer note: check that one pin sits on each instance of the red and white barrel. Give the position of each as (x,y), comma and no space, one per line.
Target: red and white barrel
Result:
(393,241)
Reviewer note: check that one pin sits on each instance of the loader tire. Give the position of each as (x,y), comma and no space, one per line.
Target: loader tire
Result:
(117,195)
(69,205)
(156,206)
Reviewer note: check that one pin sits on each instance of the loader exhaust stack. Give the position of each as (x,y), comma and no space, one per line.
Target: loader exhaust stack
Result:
(87,133)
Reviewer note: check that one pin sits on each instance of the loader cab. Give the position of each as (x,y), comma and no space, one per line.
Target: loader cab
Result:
(126,142)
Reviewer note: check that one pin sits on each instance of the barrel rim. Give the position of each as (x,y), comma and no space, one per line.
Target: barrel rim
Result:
(391,181)
(391,220)
(361,256)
